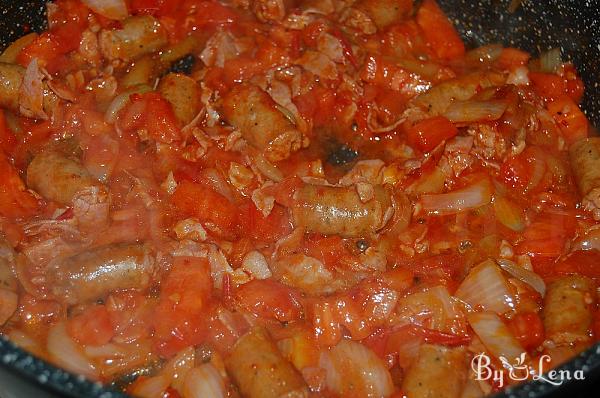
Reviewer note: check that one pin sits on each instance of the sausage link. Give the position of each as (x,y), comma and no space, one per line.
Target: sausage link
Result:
(567,313)
(438,372)
(94,274)
(57,177)
(184,95)
(251,110)
(260,371)
(11,77)
(139,35)
(340,211)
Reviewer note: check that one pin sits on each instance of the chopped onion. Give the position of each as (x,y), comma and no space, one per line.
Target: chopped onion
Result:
(470,197)
(432,182)
(485,286)
(121,100)
(475,111)
(495,335)
(204,382)
(151,387)
(256,265)
(589,241)
(524,275)
(65,353)
(179,366)
(268,169)
(352,361)
(550,60)
(509,214)
(111,9)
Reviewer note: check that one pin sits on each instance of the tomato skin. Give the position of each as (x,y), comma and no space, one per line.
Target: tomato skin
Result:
(582,262)
(269,299)
(153,112)
(91,327)
(439,31)
(528,329)
(265,229)
(429,133)
(571,120)
(207,205)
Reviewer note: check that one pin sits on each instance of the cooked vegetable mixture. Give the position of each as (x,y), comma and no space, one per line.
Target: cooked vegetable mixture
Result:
(279,198)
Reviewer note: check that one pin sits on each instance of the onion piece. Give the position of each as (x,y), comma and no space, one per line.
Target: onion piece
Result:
(470,197)
(483,54)
(589,241)
(268,169)
(524,275)
(509,214)
(352,361)
(204,382)
(550,60)
(111,9)
(65,353)
(475,111)
(255,264)
(121,100)
(178,367)
(485,286)
(151,387)
(495,335)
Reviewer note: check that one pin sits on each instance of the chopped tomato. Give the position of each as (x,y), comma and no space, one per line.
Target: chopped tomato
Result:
(269,299)
(209,206)
(180,313)
(572,121)
(547,85)
(92,327)
(429,133)
(528,329)
(15,200)
(512,57)
(547,235)
(152,112)
(439,31)
(583,262)
(330,250)
(8,141)
(266,229)
(399,278)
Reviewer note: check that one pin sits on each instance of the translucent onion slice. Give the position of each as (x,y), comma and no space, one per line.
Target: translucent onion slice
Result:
(589,241)
(470,197)
(65,353)
(495,335)
(120,101)
(111,9)
(509,214)
(550,60)
(524,275)
(486,287)
(204,382)
(354,369)
(151,387)
(475,111)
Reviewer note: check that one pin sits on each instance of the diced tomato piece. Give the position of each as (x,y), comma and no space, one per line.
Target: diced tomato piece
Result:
(548,85)
(572,121)
(180,314)
(269,299)
(547,235)
(15,200)
(209,206)
(152,112)
(317,105)
(528,329)
(92,327)
(266,229)
(575,87)
(8,141)
(429,133)
(511,58)
(596,325)
(45,48)
(399,278)
(583,262)
(439,31)
(330,250)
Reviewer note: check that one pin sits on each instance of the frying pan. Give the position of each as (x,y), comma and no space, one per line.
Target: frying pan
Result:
(572,25)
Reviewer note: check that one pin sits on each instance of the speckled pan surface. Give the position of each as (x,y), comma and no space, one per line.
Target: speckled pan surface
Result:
(573,25)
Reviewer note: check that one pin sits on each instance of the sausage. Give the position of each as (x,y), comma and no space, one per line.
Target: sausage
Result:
(57,177)
(585,163)
(339,210)
(94,274)
(260,371)
(11,77)
(254,113)
(139,35)
(184,95)
(438,372)
(567,313)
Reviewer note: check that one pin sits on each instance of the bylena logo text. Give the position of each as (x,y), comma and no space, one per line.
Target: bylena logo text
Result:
(520,370)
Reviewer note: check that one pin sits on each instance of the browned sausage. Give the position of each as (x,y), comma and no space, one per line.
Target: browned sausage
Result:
(139,35)
(251,110)
(438,372)
(260,371)
(339,210)
(57,177)
(184,95)
(93,274)
(585,163)
(11,77)
(567,312)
